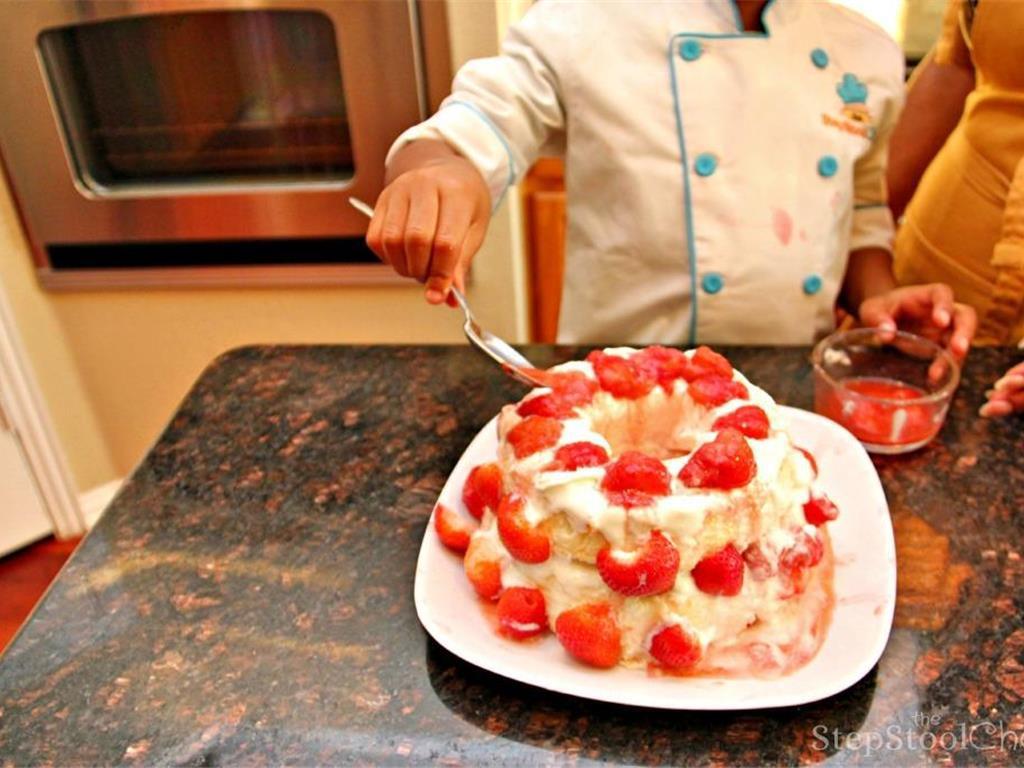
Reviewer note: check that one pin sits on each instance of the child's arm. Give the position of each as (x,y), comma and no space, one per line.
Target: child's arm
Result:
(445,176)
(868,273)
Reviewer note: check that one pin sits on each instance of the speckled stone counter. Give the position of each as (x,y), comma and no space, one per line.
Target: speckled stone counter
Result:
(247,598)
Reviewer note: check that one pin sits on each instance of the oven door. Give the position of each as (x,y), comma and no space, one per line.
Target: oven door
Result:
(164,120)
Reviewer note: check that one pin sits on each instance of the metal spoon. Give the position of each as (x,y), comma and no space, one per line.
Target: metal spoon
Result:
(496,348)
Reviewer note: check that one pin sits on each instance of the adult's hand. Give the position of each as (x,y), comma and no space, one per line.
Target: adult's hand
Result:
(1007,395)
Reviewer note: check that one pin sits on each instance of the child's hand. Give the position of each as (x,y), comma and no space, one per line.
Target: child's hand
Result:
(927,310)
(429,222)
(1007,395)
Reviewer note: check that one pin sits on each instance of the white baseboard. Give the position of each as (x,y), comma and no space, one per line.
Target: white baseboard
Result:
(95,500)
(29,419)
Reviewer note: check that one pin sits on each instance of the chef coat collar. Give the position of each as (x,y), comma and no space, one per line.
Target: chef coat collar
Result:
(775,13)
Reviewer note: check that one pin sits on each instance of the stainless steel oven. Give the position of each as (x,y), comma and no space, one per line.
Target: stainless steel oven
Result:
(170,142)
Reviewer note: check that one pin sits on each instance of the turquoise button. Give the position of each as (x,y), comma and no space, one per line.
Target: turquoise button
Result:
(712,282)
(690,50)
(812,284)
(819,58)
(828,165)
(705,164)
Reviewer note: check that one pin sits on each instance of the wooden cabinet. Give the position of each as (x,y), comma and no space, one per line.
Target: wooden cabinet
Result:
(543,192)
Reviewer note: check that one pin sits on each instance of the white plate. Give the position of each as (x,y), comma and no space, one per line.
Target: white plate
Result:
(865,588)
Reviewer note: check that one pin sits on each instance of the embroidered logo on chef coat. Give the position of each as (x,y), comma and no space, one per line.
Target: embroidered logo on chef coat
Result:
(854,95)
(854,115)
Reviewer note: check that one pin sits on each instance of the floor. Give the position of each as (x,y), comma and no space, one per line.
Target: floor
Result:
(24,577)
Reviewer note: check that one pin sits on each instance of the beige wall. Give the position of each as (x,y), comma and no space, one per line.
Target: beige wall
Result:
(113,365)
(921,23)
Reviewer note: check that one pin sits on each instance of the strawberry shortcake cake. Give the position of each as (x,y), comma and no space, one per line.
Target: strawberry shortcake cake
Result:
(649,508)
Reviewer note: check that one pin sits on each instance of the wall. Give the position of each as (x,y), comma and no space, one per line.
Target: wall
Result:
(914,24)
(113,365)
(922,22)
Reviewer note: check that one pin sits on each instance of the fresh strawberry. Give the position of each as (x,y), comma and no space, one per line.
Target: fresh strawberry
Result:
(820,510)
(726,462)
(548,404)
(522,540)
(664,363)
(574,387)
(590,633)
(482,489)
(706,362)
(621,377)
(675,648)
(649,570)
(569,390)
(522,613)
(485,576)
(758,563)
(713,390)
(810,457)
(751,420)
(453,530)
(572,456)
(720,573)
(634,479)
(532,434)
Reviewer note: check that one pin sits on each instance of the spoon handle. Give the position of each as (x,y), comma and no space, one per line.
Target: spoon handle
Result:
(461,300)
(494,347)
(367,210)
(360,206)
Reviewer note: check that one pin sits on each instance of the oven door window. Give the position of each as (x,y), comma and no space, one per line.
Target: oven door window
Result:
(200,100)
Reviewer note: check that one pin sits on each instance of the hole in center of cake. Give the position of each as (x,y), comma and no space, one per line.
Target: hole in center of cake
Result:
(657,426)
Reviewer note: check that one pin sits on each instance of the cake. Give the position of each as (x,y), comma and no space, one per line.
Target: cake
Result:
(649,508)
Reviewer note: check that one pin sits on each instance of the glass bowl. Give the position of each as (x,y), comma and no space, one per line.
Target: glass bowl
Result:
(892,395)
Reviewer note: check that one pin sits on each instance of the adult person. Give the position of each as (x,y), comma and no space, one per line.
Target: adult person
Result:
(960,143)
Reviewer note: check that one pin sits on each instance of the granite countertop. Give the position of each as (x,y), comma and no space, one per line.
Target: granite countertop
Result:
(247,598)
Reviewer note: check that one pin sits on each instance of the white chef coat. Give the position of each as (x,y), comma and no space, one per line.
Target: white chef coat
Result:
(716,179)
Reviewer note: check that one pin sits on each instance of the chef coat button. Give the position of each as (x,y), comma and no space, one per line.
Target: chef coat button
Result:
(812,284)
(690,50)
(705,164)
(712,282)
(819,58)
(827,166)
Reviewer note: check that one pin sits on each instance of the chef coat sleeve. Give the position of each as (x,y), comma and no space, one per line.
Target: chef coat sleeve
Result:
(872,220)
(505,109)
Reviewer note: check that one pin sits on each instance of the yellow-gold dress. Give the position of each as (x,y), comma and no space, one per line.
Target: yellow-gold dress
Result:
(965,223)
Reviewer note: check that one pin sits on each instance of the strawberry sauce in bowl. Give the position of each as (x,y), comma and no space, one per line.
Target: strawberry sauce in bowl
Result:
(891,395)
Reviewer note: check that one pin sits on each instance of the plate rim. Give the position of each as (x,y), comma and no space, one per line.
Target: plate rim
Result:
(525,674)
